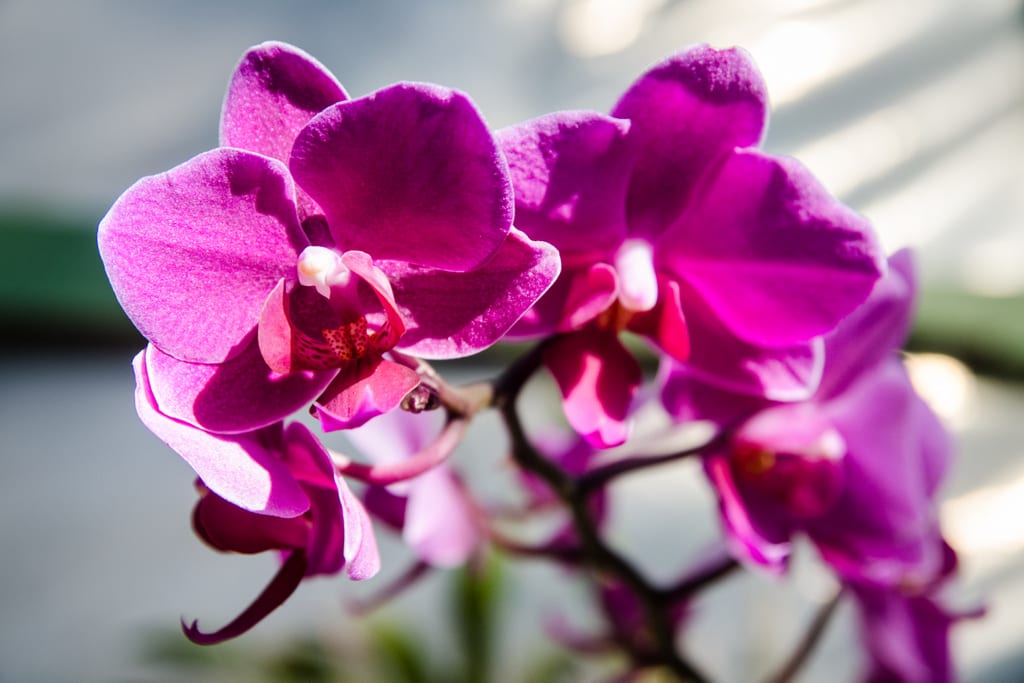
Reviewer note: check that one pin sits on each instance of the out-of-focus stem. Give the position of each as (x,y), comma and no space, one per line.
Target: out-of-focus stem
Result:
(807,644)
(596,553)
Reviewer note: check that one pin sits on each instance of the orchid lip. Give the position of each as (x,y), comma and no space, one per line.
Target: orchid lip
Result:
(638,282)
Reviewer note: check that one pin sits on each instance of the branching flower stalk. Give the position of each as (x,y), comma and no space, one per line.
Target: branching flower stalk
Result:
(330,246)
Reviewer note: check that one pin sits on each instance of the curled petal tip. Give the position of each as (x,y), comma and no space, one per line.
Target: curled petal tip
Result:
(273,596)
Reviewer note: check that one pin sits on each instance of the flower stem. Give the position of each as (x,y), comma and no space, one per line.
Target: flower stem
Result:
(807,644)
(600,558)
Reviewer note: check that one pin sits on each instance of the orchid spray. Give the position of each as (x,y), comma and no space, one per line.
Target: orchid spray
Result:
(330,247)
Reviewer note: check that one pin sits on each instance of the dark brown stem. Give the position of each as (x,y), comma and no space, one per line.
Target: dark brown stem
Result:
(807,644)
(596,553)
(701,577)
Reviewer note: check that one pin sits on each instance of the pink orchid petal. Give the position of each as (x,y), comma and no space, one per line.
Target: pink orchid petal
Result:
(229,528)
(361,264)
(440,524)
(410,173)
(240,468)
(450,315)
(578,296)
(311,465)
(392,472)
(362,391)
(665,324)
(874,331)
(569,171)
(784,261)
(193,253)
(686,113)
(724,362)
(274,332)
(275,91)
(688,397)
(284,583)
(752,537)
(239,395)
(885,524)
(398,435)
(362,557)
(598,378)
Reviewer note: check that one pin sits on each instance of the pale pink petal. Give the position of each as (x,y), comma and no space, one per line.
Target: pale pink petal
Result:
(362,558)
(193,253)
(440,524)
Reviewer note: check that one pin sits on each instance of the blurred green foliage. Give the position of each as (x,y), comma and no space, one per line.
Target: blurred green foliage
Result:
(53,290)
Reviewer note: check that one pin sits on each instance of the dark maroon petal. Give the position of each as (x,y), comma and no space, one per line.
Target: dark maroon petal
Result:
(685,114)
(450,315)
(409,173)
(239,395)
(569,173)
(229,528)
(773,255)
(284,583)
(598,378)
(275,91)
(193,253)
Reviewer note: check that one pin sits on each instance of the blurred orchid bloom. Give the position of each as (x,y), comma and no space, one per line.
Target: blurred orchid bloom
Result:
(672,225)
(856,467)
(432,511)
(280,268)
(906,628)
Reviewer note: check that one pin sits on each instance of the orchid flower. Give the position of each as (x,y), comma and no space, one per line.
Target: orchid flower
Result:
(305,509)
(673,226)
(906,628)
(279,269)
(856,467)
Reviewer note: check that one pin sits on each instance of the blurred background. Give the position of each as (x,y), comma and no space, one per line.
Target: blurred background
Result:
(911,111)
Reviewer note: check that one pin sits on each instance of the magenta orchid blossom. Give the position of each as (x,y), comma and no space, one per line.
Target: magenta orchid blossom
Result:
(672,225)
(281,268)
(856,467)
(906,628)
